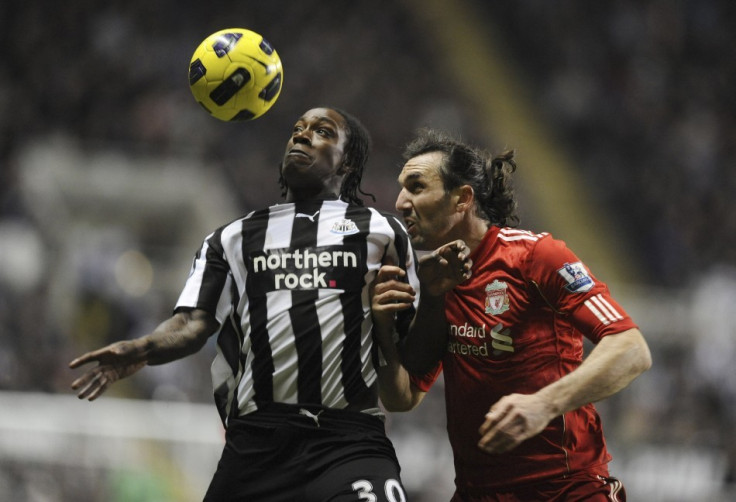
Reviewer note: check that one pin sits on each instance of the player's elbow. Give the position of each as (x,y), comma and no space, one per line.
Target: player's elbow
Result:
(406,403)
(640,355)
(397,406)
(645,359)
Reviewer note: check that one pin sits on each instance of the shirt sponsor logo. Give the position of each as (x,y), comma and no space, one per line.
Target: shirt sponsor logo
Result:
(332,267)
(502,341)
(497,299)
(310,217)
(461,341)
(344,227)
(468,331)
(577,278)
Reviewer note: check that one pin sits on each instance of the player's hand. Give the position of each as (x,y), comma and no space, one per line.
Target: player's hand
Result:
(390,294)
(116,361)
(445,268)
(513,419)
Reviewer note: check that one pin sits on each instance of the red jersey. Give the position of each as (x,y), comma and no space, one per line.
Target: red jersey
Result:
(516,326)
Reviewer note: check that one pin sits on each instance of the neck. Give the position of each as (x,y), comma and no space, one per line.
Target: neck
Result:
(292,196)
(475,231)
(326,189)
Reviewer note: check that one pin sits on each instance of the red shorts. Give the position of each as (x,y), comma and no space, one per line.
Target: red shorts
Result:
(577,487)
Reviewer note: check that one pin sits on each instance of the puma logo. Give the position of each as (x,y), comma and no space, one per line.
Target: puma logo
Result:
(310,217)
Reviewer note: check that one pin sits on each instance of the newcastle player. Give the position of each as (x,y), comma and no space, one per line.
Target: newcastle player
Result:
(287,290)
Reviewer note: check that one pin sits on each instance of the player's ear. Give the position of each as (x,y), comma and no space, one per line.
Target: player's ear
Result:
(465,195)
(345,167)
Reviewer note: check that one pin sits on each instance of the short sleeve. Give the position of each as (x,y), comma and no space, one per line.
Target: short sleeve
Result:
(401,252)
(208,286)
(571,289)
(425,382)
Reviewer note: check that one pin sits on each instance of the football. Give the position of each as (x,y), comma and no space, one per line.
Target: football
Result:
(235,74)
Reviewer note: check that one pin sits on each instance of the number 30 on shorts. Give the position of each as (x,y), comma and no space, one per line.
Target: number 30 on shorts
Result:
(392,488)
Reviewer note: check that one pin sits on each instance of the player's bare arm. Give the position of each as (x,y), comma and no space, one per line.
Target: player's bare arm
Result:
(439,272)
(610,367)
(179,336)
(391,295)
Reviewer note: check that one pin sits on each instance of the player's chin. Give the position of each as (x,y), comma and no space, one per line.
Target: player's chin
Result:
(299,174)
(294,163)
(418,241)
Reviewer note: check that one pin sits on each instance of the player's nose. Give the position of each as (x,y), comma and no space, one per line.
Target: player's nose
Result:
(402,202)
(302,137)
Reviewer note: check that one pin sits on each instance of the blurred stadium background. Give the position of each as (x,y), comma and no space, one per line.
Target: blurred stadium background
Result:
(622,116)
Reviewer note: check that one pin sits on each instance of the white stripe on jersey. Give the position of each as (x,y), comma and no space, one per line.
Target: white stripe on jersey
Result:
(603,310)
(276,231)
(190,293)
(607,308)
(221,373)
(233,234)
(331,320)
(282,214)
(280,336)
(616,488)
(513,234)
(597,313)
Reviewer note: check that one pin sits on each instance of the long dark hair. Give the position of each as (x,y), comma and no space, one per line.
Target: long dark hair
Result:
(357,150)
(490,176)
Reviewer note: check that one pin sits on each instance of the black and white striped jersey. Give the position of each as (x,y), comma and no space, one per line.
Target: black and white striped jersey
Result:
(290,287)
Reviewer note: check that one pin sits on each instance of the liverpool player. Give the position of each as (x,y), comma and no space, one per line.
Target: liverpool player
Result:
(510,339)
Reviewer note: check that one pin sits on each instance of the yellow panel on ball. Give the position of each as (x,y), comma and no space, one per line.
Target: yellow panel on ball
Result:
(235,74)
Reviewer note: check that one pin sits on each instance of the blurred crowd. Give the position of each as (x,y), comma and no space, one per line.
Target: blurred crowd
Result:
(113,77)
(640,92)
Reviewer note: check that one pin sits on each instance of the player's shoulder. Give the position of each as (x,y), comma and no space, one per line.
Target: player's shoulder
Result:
(529,249)
(249,216)
(387,217)
(521,239)
(541,254)
(235,225)
(540,247)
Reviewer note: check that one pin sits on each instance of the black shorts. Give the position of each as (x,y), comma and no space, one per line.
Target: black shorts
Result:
(291,453)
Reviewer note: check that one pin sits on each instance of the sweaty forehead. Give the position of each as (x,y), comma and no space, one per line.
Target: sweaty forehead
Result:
(423,167)
(324,114)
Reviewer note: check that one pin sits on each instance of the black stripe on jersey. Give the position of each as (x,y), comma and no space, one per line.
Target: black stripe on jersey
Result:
(303,313)
(401,241)
(254,237)
(352,307)
(238,328)
(221,395)
(214,275)
(308,342)
(229,341)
